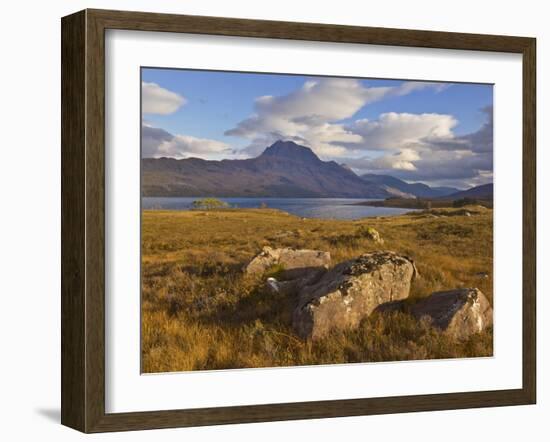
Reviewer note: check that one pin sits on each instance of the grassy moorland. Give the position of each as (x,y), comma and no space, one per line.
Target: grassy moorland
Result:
(200,312)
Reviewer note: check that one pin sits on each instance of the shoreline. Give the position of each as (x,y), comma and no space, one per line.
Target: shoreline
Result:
(272,210)
(426,204)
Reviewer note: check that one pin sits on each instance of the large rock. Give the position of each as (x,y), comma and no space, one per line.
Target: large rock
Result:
(294,263)
(351,291)
(458,313)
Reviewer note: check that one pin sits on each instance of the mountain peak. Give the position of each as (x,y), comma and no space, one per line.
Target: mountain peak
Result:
(284,170)
(290,150)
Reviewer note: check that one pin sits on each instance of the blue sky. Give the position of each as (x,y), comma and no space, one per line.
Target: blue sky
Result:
(403,128)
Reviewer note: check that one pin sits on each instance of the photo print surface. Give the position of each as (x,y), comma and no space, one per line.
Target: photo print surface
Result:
(294,220)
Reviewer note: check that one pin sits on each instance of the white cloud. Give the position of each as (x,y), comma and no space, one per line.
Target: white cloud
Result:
(392,131)
(458,168)
(157,100)
(156,143)
(183,146)
(403,160)
(151,138)
(479,141)
(310,115)
(423,147)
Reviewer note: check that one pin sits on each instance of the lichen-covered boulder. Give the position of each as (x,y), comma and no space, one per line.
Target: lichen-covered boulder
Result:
(351,291)
(294,263)
(458,313)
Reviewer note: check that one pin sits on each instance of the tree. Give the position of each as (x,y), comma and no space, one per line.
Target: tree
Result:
(209,204)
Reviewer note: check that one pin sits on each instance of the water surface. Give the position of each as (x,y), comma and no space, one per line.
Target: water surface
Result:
(327,208)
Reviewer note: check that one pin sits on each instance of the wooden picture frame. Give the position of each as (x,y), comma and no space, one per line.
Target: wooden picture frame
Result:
(83,220)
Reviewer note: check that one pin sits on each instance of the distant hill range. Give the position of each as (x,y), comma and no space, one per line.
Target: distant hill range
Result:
(484,192)
(419,190)
(285,170)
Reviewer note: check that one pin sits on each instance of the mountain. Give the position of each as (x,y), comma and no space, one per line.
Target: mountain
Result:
(285,170)
(483,192)
(419,190)
(445,190)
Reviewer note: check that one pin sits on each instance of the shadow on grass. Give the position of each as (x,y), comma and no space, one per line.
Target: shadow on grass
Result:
(213,269)
(272,309)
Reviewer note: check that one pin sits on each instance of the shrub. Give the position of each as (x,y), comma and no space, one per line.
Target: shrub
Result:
(209,203)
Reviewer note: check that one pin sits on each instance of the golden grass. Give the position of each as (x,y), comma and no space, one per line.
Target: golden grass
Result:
(200,312)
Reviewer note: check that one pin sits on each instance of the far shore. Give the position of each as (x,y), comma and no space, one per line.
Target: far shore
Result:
(422,203)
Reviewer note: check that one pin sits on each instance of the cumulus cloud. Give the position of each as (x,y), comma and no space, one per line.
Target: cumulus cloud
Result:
(478,141)
(424,147)
(157,100)
(156,143)
(401,130)
(403,160)
(482,139)
(427,166)
(183,146)
(151,139)
(310,115)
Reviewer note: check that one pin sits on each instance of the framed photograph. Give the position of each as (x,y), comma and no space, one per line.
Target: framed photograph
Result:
(268,220)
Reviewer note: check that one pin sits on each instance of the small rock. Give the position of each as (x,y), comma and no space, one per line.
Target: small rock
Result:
(273,284)
(351,291)
(370,233)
